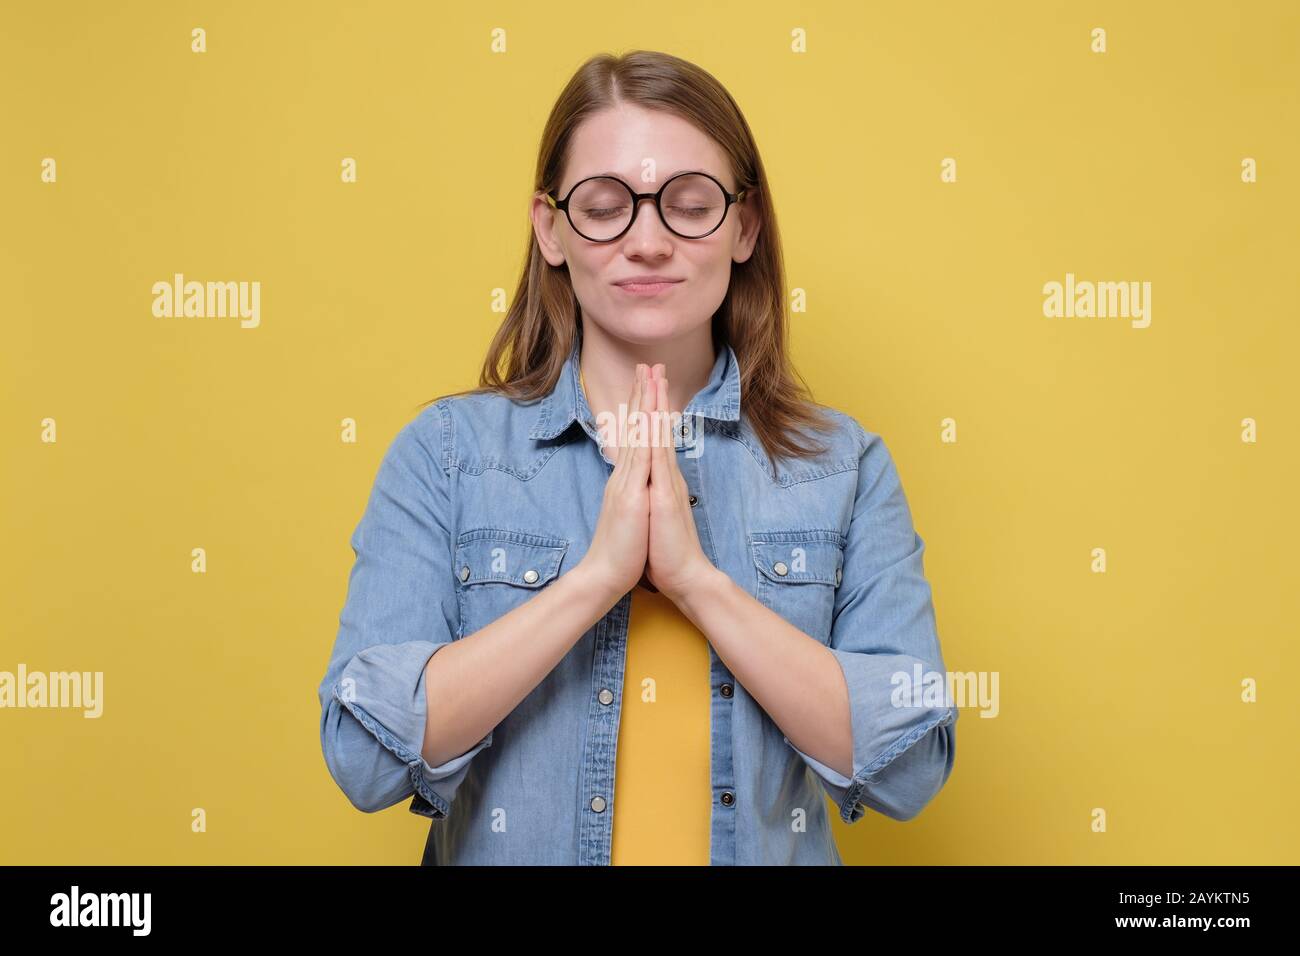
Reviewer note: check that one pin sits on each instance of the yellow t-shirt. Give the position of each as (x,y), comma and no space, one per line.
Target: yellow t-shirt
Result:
(663,798)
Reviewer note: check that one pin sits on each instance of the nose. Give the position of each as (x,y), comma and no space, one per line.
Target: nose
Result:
(647,227)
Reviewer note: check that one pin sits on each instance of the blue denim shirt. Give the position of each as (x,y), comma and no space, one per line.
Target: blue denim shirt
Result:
(481,501)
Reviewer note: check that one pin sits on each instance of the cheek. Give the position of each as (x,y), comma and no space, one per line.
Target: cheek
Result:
(590,272)
(713,276)
(586,272)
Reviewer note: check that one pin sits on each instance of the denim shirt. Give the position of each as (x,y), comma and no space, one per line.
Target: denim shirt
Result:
(480,501)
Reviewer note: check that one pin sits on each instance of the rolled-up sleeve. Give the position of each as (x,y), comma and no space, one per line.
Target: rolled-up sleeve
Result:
(400,609)
(883,635)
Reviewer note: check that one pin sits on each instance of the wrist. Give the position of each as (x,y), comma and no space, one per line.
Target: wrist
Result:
(702,586)
(597,584)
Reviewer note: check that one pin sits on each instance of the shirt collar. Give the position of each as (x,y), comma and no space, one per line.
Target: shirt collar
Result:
(718,399)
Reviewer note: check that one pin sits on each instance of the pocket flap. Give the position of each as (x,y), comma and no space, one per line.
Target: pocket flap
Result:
(799,557)
(522,558)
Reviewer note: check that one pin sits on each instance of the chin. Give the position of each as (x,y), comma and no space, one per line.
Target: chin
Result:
(642,335)
(646,326)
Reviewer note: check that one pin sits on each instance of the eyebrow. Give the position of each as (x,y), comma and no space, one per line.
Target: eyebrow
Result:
(669,176)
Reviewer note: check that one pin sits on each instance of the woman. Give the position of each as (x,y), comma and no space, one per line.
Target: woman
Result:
(636,598)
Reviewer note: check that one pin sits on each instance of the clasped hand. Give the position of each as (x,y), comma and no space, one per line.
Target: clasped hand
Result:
(646,526)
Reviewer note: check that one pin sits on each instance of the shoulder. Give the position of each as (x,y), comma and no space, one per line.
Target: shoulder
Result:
(877,471)
(847,446)
(878,479)
(858,448)
(480,430)
(849,436)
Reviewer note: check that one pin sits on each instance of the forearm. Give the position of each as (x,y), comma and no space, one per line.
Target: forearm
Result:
(471,684)
(795,678)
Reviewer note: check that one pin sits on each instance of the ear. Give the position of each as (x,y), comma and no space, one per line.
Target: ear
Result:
(751,220)
(546,223)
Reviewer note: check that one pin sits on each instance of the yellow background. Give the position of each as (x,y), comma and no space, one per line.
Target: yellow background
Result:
(1118,690)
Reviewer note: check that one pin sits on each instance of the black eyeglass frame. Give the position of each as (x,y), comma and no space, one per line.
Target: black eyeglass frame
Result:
(563,204)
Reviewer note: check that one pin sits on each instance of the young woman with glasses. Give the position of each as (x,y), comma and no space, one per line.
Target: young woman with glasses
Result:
(637,598)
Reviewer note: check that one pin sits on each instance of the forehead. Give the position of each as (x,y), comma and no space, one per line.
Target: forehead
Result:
(635,143)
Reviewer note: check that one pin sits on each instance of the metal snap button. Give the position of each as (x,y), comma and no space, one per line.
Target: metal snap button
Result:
(694,501)
(530,576)
(780,568)
(606,696)
(727,690)
(598,804)
(464,573)
(728,798)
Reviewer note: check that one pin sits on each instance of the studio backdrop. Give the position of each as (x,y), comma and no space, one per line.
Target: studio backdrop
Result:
(1046,250)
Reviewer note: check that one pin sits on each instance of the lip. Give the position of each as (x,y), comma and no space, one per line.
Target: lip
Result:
(647,284)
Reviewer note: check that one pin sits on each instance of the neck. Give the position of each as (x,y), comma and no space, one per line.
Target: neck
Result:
(609,367)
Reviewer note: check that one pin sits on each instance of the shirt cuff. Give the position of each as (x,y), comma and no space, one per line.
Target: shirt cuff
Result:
(383,687)
(902,750)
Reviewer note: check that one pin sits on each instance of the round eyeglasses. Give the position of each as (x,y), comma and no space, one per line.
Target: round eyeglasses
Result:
(602,208)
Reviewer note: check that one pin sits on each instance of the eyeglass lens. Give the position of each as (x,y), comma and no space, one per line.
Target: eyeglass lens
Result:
(693,205)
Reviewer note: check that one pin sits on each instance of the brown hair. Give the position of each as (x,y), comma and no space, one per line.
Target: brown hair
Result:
(540,328)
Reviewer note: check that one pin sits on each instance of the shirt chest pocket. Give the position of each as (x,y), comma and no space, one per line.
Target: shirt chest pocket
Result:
(799,573)
(497,570)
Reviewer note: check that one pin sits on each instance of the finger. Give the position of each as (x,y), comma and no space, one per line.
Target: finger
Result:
(639,472)
(634,402)
(672,434)
(674,475)
(659,476)
(669,432)
(661,390)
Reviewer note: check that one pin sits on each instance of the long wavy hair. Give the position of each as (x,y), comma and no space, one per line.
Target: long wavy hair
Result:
(528,352)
